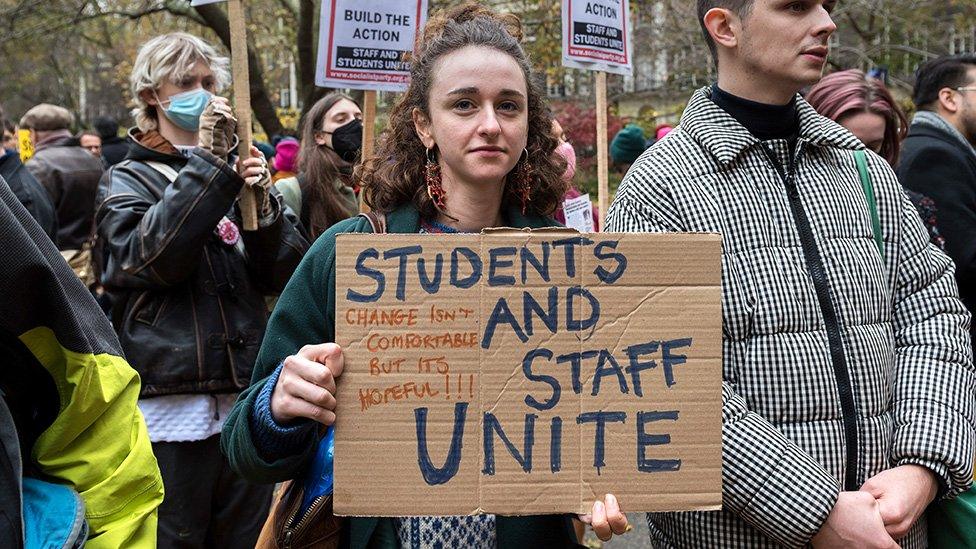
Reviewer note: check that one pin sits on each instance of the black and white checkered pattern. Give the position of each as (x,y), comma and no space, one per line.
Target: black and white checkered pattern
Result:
(904,331)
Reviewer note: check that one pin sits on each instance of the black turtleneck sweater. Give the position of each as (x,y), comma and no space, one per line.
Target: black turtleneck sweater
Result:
(763,121)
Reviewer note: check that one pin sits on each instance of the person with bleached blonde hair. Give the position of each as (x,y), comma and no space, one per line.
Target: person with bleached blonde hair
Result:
(172,57)
(187,284)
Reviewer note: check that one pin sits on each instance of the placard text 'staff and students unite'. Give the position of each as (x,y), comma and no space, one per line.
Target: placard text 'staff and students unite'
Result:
(847,367)
(468,146)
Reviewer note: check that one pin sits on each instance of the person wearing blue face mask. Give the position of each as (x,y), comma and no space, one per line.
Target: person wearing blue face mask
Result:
(188,285)
(185,108)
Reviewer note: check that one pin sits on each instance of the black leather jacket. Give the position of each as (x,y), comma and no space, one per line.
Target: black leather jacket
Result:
(188,308)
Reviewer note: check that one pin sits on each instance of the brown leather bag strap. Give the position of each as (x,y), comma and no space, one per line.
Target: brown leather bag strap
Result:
(377,220)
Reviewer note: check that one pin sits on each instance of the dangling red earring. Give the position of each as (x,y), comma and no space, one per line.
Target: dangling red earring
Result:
(523,181)
(432,176)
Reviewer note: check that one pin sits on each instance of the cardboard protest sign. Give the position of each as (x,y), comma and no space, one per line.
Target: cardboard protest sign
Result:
(596,35)
(366,44)
(519,372)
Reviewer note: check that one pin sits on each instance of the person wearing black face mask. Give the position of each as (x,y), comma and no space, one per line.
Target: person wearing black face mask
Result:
(322,193)
(347,139)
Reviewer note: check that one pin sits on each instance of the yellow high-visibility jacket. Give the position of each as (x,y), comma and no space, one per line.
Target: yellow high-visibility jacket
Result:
(71,393)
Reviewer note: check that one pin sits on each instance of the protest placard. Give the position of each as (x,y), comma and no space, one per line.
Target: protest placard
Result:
(366,44)
(596,35)
(519,372)
(25,145)
(578,212)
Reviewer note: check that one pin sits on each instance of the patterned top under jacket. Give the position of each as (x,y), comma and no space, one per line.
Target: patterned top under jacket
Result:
(839,362)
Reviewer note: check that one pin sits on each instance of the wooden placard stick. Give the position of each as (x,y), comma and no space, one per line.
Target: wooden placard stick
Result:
(602,162)
(369,139)
(242,104)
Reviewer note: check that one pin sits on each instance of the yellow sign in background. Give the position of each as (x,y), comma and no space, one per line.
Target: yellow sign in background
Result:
(24,145)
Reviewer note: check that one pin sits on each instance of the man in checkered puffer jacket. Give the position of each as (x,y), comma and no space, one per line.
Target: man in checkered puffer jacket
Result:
(849,388)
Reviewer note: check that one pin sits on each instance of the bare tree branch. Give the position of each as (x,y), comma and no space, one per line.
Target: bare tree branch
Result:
(309,92)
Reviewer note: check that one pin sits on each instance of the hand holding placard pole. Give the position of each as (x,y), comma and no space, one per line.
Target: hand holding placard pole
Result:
(242,102)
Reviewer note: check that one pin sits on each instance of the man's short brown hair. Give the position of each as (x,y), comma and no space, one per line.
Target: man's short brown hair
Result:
(739,7)
(46,117)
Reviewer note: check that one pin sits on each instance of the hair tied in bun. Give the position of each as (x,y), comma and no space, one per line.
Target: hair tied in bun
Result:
(463,13)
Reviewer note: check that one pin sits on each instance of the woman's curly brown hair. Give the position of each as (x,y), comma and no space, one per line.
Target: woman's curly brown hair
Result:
(394,176)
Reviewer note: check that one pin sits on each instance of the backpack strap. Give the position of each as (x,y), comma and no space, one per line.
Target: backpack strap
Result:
(861,159)
(171,174)
(168,172)
(377,220)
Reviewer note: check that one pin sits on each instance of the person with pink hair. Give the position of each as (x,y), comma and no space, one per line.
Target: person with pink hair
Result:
(866,108)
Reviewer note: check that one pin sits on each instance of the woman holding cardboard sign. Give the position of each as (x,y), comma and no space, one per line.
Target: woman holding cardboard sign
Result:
(468,147)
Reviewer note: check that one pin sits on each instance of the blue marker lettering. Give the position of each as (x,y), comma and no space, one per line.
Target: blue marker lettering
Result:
(501,313)
(636,366)
(670,360)
(498,259)
(473,261)
(402,254)
(556,445)
(603,369)
(551,381)
(605,276)
(363,270)
(549,316)
(430,285)
(574,324)
(600,418)
(524,458)
(434,475)
(575,361)
(644,440)
(541,267)
(569,249)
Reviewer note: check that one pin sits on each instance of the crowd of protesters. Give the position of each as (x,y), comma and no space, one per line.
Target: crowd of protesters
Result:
(848,268)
